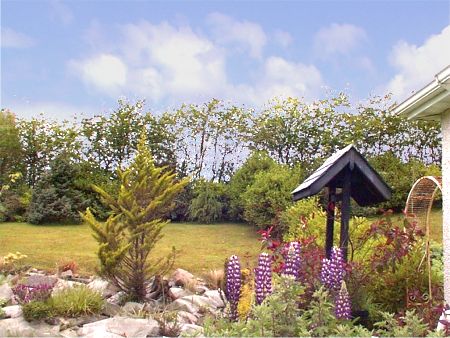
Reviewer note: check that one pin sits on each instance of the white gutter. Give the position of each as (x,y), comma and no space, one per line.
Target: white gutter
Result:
(426,97)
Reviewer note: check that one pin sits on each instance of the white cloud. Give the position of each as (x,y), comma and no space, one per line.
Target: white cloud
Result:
(283,38)
(169,64)
(416,65)
(55,110)
(338,39)
(280,78)
(246,35)
(105,72)
(12,39)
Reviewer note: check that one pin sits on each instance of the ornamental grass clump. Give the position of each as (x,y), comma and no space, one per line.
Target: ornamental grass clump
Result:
(233,285)
(292,261)
(263,277)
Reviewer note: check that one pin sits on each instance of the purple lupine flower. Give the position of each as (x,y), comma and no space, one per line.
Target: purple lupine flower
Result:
(333,269)
(342,304)
(233,284)
(263,277)
(292,260)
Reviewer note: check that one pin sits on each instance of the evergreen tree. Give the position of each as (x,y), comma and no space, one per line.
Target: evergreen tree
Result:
(57,197)
(130,233)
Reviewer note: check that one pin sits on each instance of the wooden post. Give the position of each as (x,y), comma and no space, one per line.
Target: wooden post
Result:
(345,212)
(330,220)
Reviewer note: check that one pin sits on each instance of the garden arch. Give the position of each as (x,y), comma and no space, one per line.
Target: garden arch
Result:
(418,208)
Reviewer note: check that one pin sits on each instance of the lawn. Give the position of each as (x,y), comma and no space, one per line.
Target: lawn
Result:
(201,247)
(435,224)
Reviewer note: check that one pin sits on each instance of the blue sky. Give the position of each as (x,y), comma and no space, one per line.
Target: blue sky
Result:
(69,57)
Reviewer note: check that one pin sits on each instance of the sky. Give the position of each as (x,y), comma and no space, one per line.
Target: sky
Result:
(65,58)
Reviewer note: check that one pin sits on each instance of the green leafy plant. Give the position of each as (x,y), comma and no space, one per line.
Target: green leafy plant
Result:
(36,310)
(269,196)
(209,203)
(129,235)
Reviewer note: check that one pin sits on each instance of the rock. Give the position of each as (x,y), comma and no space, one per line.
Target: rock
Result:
(201,289)
(63,284)
(117,298)
(215,296)
(103,286)
(183,304)
(191,329)
(176,293)
(67,323)
(193,304)
(68,333)
(184,317)
(19,327)
(12,311)
(68,274)
(111,309)
(6,292)
(182,277)
(133,307)
(38,279)
(121,327)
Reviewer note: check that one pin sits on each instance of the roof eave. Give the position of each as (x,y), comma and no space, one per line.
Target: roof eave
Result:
(418,103)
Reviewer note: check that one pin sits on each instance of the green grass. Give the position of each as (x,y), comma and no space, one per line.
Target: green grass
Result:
(435,224)
(201,247)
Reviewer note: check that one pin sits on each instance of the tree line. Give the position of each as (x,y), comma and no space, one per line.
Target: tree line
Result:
(48,166)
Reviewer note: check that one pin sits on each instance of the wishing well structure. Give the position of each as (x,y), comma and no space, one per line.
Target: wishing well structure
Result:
(346,174)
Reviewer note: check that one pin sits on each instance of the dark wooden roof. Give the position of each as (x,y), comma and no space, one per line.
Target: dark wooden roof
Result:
(367,186)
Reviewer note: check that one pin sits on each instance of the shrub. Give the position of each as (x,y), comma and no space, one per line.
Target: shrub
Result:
(244,177)
(304,219)
(210,202)
(56,197)
(269,196)
(36,310)
(130,233)
(76,301)
(400,177)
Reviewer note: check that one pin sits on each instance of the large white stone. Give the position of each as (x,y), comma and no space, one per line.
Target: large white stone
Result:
(19,327)
(62,284)
(103,286)
(184,317)
(5,292)
(12,311)
(193,304)
(176,293)
(191,329)
(215,296)
(121,327)
(182,277)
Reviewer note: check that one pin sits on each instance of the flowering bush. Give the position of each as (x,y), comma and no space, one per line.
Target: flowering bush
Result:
(25,294)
